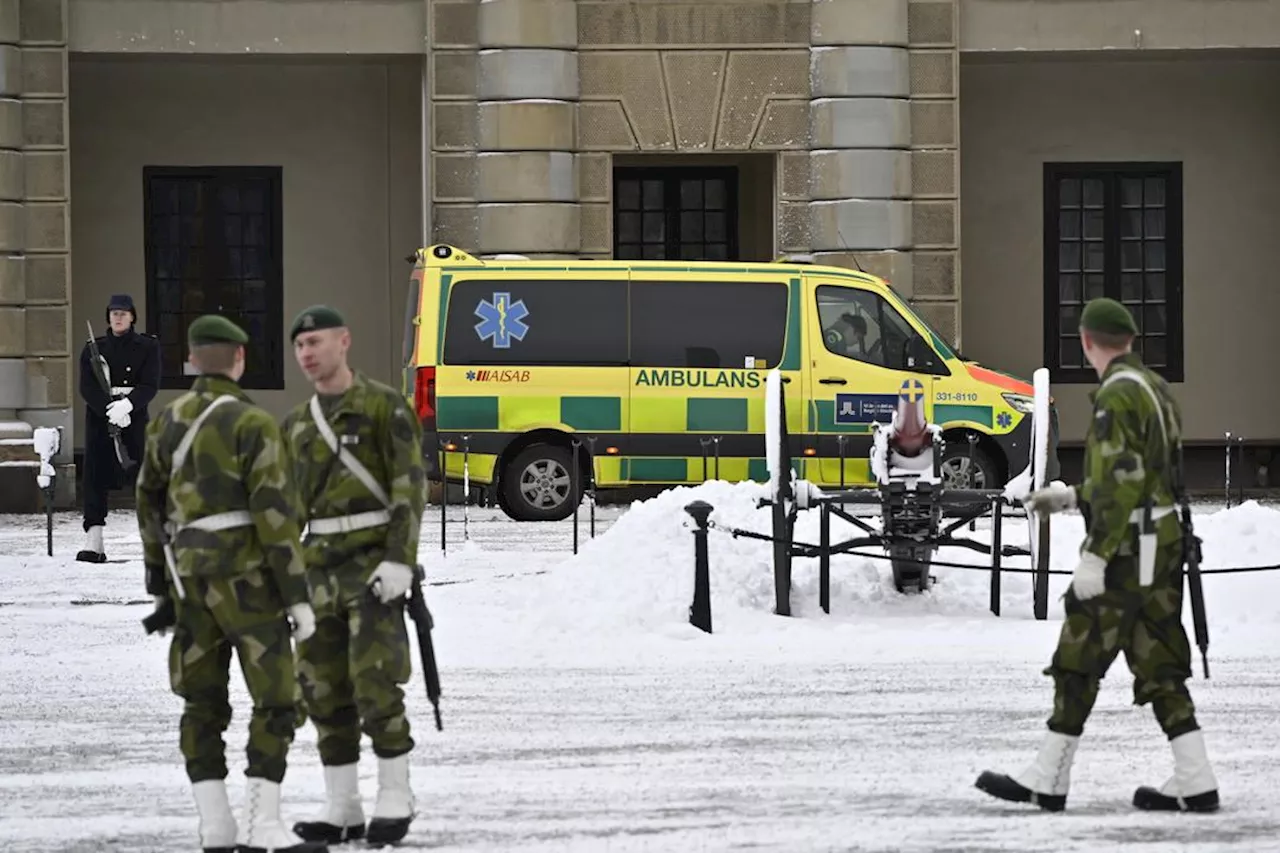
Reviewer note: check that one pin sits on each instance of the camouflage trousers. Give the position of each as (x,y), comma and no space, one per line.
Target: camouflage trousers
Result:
(1143,622)
(351,670)
(218,615)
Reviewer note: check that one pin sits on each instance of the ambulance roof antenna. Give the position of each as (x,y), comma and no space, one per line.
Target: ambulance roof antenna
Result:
(845,243)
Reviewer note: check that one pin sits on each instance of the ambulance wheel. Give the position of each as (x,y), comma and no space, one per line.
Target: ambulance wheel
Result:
(537,484)
(959,473)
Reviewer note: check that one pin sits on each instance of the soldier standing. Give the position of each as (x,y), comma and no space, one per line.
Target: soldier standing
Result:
(357,460)
(131,364)
(1126,591)
(220,533)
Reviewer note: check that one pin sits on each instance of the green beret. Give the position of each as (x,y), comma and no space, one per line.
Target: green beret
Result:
(316,317)
(214,329)
(1107,316)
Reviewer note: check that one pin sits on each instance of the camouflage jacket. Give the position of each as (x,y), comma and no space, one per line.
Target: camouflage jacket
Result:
(237,461)
(1129,456)
(375,425)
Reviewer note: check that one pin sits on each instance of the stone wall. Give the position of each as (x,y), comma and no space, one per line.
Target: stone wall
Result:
(36,375)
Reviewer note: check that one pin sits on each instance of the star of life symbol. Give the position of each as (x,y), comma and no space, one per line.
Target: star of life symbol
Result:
(501,320)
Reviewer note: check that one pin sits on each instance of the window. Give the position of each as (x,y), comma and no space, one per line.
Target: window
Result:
(864,326)
(707,323)
(675,214)
(1113,230)
(212,245)
(508,321)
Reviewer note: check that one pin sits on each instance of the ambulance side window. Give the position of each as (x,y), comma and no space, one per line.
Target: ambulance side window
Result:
(536,322)
(712,324)
(862,325)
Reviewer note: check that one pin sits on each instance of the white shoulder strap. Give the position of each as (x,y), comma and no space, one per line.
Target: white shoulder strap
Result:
(184,447)
(1141,380)
(344,456)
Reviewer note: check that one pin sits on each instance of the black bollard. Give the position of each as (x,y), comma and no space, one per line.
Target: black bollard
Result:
(48,515)
(716,441)
(444,495)
(591,488)
(573,491)
(997,528)
(1228,477)
(840,442)
(705,443)
(700,610)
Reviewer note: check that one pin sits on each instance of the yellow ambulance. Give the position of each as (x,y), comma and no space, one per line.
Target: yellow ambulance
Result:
(652,373)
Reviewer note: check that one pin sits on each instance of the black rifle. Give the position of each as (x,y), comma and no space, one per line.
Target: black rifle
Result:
(417,607)
(95,364)
(1191,556)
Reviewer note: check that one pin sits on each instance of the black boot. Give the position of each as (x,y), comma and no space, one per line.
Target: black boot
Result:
(1193,787)
(1044,783)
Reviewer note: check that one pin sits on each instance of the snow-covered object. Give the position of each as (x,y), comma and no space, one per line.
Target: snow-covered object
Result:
(903,449)
(773,430)
(1036,472)
(46,441)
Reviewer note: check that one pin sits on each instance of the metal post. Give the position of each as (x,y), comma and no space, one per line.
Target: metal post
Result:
(997,527)
(466,487)
(444,495)
(824,557)
(48,517)
(573,491)
(700,610)
(591,489)
(1240,466)
(716,440)
(973,484)
(841,440)
(1228,478)
(705,443)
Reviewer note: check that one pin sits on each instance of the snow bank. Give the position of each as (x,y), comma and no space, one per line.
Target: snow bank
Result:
(638,576)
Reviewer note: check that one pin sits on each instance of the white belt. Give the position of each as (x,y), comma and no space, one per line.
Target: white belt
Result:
(348,523)
(1157,513)
(120,389)
(214,523)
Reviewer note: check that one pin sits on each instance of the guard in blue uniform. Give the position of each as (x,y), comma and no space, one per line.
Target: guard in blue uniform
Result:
(131,364)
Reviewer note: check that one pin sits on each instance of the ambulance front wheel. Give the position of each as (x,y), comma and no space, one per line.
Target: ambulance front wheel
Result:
(537,484)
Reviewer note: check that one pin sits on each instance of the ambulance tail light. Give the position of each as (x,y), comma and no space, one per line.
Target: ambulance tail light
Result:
(424,397)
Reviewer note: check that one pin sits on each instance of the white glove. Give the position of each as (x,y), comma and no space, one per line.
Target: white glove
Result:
(118,411)
(1055,497)
(392,580)
(1089,578)
(304,621)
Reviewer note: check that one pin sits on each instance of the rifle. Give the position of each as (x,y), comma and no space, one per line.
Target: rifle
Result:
(417,607)
(95,364)
(1191,556)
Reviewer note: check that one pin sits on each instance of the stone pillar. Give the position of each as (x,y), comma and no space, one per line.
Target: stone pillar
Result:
(35,238)
(509,182)
(933,28)
(860,136)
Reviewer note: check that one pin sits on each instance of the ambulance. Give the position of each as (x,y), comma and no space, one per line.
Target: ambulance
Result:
(536,379)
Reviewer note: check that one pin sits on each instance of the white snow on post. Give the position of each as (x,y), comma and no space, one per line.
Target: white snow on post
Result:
(773,430)
(1036,472)
(46,441)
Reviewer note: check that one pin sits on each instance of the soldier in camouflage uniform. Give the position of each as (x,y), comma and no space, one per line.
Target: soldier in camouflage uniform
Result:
(1126,591)
(364,512)
(221,544)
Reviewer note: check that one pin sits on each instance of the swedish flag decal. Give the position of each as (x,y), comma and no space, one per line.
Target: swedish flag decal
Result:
(912,391)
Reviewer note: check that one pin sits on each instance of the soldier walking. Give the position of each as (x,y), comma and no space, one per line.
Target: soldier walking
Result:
(1126,591)
(357,460)
(218,518)
(130,363)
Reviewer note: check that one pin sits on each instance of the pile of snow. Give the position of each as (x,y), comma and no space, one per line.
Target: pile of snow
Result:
(638,577)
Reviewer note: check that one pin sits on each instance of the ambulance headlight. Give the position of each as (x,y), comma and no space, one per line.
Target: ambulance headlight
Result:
(1020,403)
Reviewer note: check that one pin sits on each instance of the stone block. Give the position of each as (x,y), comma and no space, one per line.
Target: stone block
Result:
(13,228)
(860,123)
(596,228)
(933,73)
(13,333)
(934,124)
(454,23)
(47,278)
(454,177)
(783,127)
(793,226)
(508,74)
(526,176)
(528,23)
(10,71)
(613,24)
(794,175)
(453,74)
(10,22)
(595,177)
(538,227)
(13,377)
(11,133)
(457,225)
(894,267)
(47,229)
(753,79)
(13,285)
(603,126)
(937,274)
(454,126)
(11,176)
(860,72)
(44,123)
(47,330)
(45,176)
(934,173)
(44,22)
(859,225)
(934,223)
(860,173)
(54,375)
(44,72)
(932,22)
(941,316)
(526,126)
(859,22)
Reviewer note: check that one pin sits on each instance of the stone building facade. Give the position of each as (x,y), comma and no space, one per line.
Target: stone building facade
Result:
(257,156)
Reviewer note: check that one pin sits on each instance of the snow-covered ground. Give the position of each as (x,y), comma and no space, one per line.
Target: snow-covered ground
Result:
(583,712)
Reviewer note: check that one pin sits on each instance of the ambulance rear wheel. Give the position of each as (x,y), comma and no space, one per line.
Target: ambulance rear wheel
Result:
(537,485)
